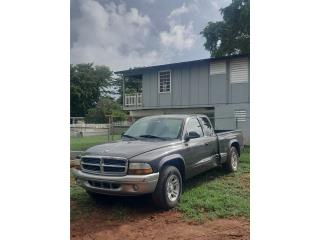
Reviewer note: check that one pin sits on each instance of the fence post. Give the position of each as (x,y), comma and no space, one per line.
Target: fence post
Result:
(111,128)
(108,129)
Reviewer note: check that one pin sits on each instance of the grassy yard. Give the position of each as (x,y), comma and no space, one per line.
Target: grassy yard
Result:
(218,194)
(214,194)
(83,143)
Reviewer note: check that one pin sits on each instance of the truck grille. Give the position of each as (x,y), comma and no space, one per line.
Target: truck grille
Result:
(104,165)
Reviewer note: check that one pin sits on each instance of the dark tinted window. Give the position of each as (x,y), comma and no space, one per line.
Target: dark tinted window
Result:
(206,126)
(193,125)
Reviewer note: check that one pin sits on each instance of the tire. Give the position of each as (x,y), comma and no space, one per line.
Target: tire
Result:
(232,163)
(169,187)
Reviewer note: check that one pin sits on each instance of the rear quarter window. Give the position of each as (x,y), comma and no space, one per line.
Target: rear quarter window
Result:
(207,128)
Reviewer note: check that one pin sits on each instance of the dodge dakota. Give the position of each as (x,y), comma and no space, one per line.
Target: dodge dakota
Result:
(156,155)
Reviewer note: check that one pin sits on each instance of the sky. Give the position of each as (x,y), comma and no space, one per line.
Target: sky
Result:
(135,33)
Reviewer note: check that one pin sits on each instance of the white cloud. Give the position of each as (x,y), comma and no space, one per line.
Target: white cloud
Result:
(178,11)
(111,34)
(179,36)
(183,9)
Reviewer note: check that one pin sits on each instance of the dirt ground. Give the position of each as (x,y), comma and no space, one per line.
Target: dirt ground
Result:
(157,225)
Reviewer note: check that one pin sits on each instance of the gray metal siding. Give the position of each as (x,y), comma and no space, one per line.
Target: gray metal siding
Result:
(192,85)
(176,85)
(146,89)
(239,92)
(185,87)
(218,88)
(150,89)
(194,78)
(218,67)
(164,99)
(203,83)
(193,89)
(225,118)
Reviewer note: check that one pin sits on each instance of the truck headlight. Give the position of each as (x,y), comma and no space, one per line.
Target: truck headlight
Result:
(139,168)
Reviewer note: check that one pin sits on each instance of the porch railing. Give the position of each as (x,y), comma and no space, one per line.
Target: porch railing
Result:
(133,100)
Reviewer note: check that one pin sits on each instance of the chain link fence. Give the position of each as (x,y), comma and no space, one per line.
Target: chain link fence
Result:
(112,126)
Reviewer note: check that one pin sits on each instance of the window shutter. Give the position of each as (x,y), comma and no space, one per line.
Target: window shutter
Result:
(217,67)
(240,115)
(239,70)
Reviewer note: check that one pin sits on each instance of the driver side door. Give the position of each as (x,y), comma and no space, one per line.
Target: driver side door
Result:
(195,149)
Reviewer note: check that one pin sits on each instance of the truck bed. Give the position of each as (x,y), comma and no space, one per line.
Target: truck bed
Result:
(227,136)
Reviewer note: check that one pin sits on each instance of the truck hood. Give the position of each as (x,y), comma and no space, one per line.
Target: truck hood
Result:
(128,149)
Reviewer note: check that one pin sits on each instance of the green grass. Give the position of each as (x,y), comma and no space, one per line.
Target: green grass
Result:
(214,194)
(217,194)
(83,143)
(81,204)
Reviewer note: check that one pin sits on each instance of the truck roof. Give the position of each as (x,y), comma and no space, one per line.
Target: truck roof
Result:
(176,115)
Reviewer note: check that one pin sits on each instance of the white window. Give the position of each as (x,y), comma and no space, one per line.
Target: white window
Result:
(239,70)
(240,115)
(217,67)
(165,81)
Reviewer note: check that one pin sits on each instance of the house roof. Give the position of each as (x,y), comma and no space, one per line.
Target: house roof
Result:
(139,70)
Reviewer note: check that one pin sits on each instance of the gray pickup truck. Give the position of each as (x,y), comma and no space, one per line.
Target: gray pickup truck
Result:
(156,155)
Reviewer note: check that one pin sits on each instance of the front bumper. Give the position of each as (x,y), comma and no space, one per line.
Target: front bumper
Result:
(116,185)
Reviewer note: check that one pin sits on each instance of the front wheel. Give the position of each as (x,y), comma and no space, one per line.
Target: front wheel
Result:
(168,191)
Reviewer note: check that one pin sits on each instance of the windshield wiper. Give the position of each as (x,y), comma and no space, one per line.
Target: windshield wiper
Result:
(152,136)
(129,136)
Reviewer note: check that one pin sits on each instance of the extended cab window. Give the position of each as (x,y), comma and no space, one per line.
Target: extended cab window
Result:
(208,130)
(193,125)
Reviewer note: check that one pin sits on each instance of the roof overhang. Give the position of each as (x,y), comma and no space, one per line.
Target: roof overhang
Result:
(140,70)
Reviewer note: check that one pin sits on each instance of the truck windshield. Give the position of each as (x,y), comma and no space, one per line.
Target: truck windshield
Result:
(155,128)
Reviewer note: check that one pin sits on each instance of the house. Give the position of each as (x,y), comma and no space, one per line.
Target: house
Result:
(217,87)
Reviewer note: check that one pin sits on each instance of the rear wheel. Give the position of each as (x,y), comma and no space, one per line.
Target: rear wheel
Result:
(169,188)
(232,163)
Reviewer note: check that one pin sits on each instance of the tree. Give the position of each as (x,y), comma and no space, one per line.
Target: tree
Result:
(87,84)
(232,35)
(105,107)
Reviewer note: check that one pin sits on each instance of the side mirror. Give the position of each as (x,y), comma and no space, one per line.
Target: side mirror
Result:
(191,135)
(122,134)
(187,137)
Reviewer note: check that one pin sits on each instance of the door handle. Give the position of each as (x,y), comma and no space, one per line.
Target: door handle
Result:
(206,144)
